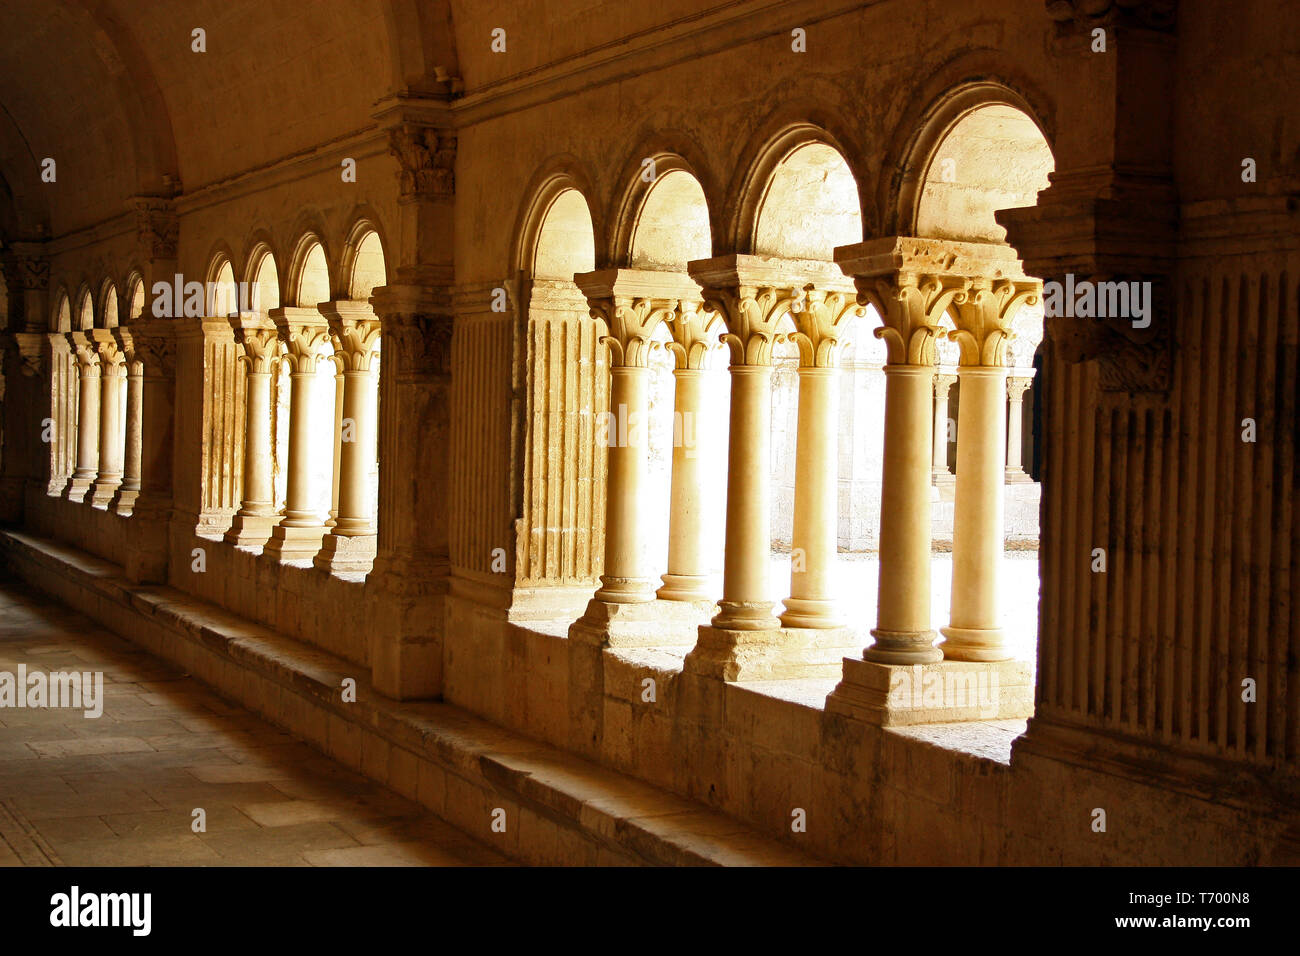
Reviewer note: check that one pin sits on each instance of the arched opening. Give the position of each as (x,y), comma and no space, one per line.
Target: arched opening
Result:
(223,294)
(991,157)
(562,506)
(671,228)
(808,208)
(110,314)
(135,296)
(85,310)
(368,269)
(314,279)
(265,291)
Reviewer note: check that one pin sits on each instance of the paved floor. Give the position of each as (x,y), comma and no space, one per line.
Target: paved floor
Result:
(121,789)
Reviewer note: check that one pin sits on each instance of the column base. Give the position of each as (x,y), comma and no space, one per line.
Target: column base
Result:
(292,543)
(690,588)
(78,488)
(746,616)
(346,553)
(616,590)
(885,695)
(102,492)
(779,654)
(648,624)
(974,644)
(903,647)
(251,531)
(803,612)
(124,501)
(1018,476)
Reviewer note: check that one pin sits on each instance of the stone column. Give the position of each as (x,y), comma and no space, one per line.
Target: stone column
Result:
(631,303)
(257,514)
(350,545)
(337,457)
(943,383)
(124,500)
(686,577)
(155,349)
(984,313)
(112,439)
(815,532)
(89,374)
(1017,383)
(305,335)
(906,286)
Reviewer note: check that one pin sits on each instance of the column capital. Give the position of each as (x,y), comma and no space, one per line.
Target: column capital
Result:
(85,351)
(1017,384)
(305,334)
(944,379)
(260,340)
(689,326)
(819,316)
(911,282)
(355,329)
(631,303)
(984,312)
(109,349)
(753,294)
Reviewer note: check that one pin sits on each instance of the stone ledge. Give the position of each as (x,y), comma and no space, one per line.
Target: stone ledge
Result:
(560,808)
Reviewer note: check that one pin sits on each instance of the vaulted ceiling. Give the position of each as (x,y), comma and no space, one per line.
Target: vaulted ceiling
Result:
(113,91)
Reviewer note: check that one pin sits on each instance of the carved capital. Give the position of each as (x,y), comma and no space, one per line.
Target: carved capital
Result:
(985,311)
(689,325)
(305,335)
(1017,385)
(260,340)
(157,227)
(31,350)
(427,156)
(416,326)
(86,353)
(155,347)
(631,303)
(819,319)
(111,358)
(943,383)
(1130,357)
(126,343)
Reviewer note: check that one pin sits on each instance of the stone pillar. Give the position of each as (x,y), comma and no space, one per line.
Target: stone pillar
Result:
(1017,384)
(257,514)
(984,313)
(305,335)
(155,349)
(350,545)
(686,577)
(745,640)
(124,500)
(112,439)
(410,578)
(815,532)
(943,383)
(337,456)
(630,303)
(89,372)
(27,459)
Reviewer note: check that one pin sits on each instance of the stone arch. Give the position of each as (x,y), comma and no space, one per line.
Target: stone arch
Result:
(562,175)
(220,294)
(83,316)
(363,266)
(309,272)
(673,154)
(61,314)
(135,298)
(263,278)
(927,127)
(110,317)
(782,182)
(791,127)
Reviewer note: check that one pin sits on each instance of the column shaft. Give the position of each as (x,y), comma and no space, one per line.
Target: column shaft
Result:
(624,580)
(299,492)
(87,431)
(259,492)
(111,437)
(746,604)
(814,534)
(360,406)
(129,490)
(686,577)
(903,634)
(975,633)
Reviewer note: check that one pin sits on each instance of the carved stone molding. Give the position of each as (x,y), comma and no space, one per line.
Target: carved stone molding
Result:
(427,157)
(1129,359)
(27,272)
(157,227)
(155,347)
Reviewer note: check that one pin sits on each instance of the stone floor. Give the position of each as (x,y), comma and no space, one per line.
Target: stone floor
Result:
(121,789)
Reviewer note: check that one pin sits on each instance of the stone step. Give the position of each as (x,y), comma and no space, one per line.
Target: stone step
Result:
(559,809)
